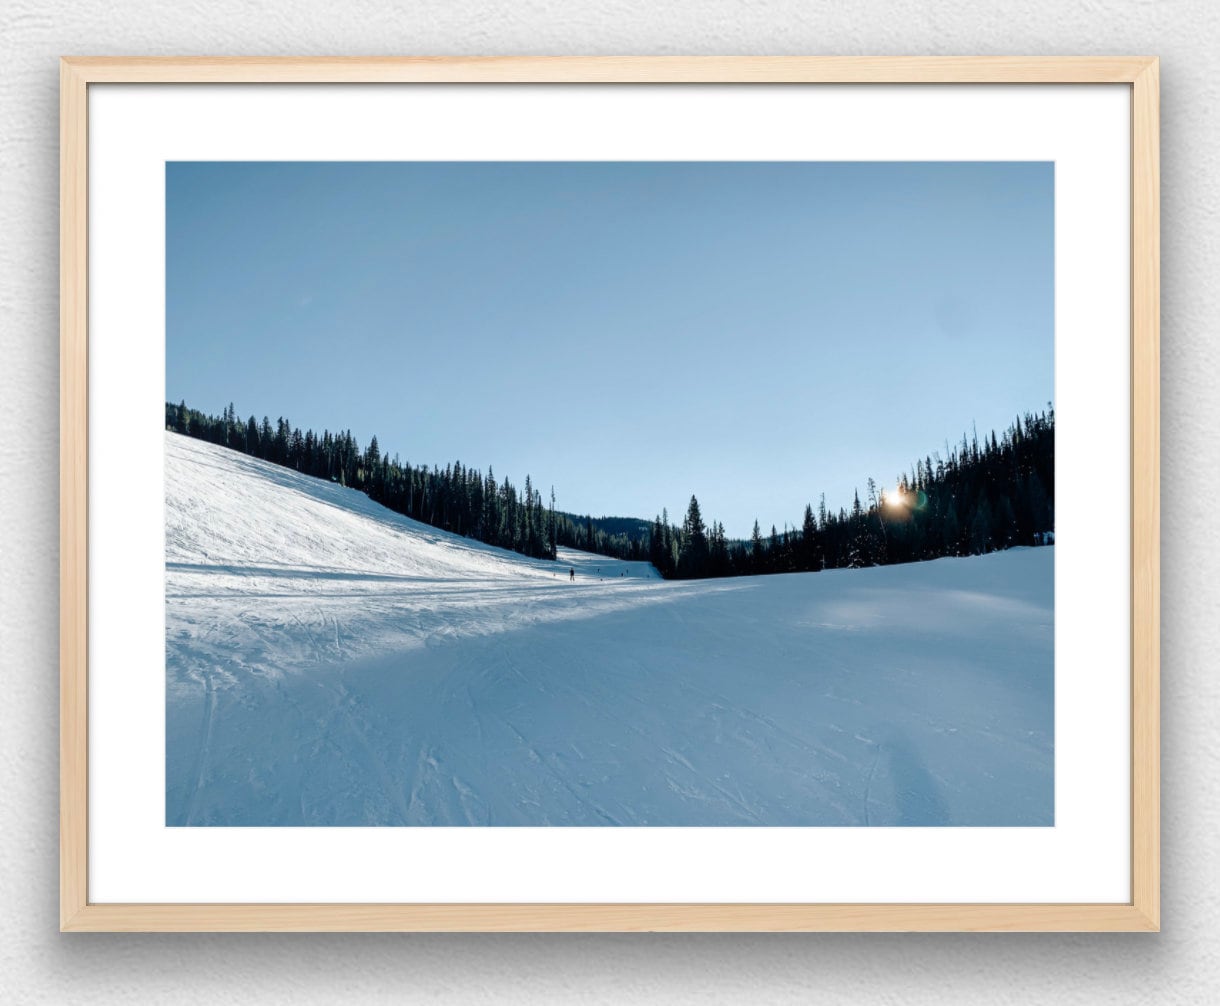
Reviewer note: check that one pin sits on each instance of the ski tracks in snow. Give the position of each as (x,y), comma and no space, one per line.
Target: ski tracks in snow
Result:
(203,752)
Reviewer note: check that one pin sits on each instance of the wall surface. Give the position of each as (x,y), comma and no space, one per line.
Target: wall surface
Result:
(37,964)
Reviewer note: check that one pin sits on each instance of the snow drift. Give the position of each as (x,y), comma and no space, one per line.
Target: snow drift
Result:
(329,662)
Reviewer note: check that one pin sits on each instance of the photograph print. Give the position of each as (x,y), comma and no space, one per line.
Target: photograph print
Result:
(609,494)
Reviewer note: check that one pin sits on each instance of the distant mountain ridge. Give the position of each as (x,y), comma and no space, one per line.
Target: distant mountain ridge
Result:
(635,528)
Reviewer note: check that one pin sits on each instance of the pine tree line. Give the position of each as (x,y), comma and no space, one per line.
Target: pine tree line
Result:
(455,498)
(979,497)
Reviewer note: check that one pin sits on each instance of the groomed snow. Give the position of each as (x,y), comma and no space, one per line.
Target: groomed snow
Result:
(329,662)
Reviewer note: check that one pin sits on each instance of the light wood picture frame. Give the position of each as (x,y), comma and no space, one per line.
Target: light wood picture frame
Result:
(79,914)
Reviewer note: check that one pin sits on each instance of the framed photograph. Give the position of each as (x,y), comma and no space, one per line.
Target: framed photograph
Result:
(609,494)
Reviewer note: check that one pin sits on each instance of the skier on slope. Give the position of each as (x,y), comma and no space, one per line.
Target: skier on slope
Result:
(571,574)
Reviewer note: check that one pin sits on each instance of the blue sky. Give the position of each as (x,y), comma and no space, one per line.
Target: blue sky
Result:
(754,333)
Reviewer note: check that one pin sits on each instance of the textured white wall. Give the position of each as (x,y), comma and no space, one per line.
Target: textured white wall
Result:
(39,965)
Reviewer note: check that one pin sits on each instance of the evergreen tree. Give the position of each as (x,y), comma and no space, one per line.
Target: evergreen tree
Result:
(693,557)
(809,540)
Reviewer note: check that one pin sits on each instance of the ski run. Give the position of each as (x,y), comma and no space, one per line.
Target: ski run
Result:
(329,662)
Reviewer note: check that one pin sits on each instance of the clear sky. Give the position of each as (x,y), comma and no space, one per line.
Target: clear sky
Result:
(632,333)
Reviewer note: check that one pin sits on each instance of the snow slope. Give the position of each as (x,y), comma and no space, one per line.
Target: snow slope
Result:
(329,662)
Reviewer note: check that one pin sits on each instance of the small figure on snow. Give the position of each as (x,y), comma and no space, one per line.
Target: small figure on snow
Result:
(571,574)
